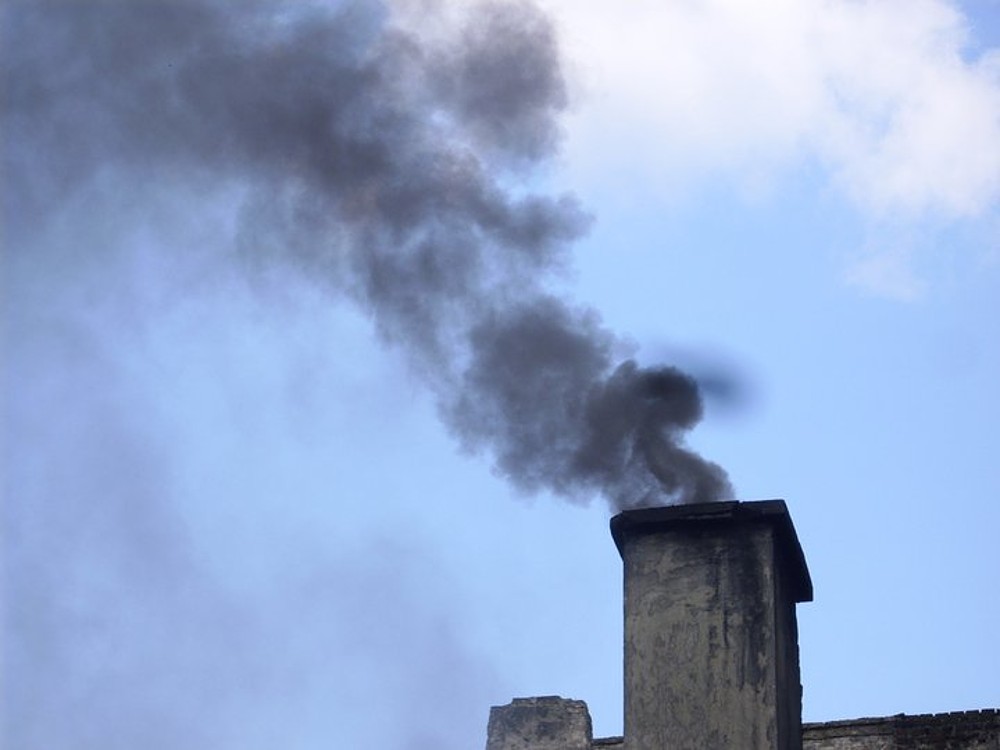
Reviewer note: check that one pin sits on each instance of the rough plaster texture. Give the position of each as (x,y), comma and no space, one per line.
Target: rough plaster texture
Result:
(557,724)
(549,723)
(966,730)
(706,610)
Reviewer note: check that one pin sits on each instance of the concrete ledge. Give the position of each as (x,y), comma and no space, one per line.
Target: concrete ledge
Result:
(773,512)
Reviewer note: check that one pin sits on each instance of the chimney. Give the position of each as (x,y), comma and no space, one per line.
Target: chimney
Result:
(548,723)
(711,641)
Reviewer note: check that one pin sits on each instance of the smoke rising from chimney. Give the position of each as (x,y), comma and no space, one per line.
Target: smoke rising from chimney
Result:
(391,164)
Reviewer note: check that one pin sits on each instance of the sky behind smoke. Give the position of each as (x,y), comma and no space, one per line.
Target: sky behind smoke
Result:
(264,264)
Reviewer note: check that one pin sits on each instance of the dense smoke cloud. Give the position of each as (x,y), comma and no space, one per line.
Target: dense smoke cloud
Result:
(383,162)
(388,164)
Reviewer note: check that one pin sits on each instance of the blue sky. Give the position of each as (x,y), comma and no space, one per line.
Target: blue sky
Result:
(234,517)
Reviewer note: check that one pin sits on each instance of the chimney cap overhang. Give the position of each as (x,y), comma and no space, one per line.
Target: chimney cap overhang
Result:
(641,521)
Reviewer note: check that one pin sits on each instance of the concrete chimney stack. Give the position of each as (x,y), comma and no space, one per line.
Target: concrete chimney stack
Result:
(711,641)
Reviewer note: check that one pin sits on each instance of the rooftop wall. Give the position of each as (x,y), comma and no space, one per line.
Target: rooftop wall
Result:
(964,730)
(554,723)
(961,730)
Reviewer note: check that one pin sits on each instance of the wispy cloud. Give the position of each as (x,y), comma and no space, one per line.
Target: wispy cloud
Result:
(887,272)
(888,99)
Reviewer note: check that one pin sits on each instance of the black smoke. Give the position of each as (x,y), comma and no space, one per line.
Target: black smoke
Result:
(392,165)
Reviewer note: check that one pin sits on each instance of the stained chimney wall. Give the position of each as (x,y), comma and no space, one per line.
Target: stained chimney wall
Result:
(546,723)
(789,677)
(711,659)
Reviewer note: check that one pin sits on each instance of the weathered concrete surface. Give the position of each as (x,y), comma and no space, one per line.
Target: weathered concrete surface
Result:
(960,730)
(547,723)
(711,656)
(965,730)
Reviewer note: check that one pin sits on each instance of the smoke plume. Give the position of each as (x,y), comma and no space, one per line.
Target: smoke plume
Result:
(392,164)
(382,165)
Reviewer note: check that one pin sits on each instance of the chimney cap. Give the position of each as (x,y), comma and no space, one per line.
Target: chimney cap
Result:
(631,523)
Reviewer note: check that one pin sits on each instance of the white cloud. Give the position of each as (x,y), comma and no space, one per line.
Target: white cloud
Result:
(887,272)
(877,93)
